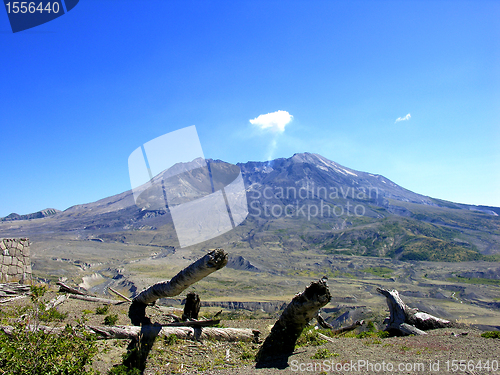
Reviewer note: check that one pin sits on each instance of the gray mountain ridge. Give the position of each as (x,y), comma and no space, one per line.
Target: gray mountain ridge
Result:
(302,202)
(35,215)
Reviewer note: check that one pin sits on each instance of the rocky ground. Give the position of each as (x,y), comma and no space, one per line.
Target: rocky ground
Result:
(453,350)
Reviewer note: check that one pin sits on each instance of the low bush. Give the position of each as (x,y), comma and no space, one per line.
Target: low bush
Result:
(110,320)
(102,310)
(30,350)
(491,334)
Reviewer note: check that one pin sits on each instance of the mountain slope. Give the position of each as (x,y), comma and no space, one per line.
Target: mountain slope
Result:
(36,215)
(305,202)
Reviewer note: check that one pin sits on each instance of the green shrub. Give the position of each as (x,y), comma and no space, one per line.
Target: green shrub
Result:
(371,326)
(110,320)
(52,315)
(102,310)
(29,350)
(309,337)
(379,334)
(491,334)
(170,340)
(323,354)
(247,351)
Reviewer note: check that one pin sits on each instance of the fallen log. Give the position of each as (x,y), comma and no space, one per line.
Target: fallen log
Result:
(203,267)
(324,337)
(67,289)
(97,299)
(287,329)
(322,322)
(134,332)
(55,302)
(183,333)
(119,294)
(339,331)
(11,289)
(404,320)
(10,330)
(194,323)
(352,327)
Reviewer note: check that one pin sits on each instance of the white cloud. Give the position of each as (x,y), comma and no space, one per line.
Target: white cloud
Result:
(275,121)
(407,117)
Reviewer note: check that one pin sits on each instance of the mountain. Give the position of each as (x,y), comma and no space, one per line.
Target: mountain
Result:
(35,215)
(358,213)
(308,217)
(305,202)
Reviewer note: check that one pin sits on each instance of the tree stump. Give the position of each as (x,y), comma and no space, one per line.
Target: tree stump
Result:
(192,307)
(281,341)
(404,320)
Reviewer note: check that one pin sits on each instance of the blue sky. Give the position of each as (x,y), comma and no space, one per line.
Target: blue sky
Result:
(80,93)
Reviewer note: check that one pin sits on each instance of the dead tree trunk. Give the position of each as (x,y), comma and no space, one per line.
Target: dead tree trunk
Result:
(184,333)
(404,320)
(119,294)
(295,317)
(106,301)
(132,332)
(324,324)
(203,267)
(55,302)
(13,289)
(192,306)
(67,289)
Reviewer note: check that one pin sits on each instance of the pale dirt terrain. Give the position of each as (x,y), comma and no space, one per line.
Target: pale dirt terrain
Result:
(430,354)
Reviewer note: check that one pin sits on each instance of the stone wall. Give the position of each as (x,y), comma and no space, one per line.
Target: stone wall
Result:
(15,262)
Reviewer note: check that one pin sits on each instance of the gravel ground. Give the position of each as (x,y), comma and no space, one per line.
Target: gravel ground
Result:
(443,351)
(439,352)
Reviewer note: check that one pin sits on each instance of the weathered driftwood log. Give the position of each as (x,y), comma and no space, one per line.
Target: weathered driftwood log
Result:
(194,323)
(404,320)
(119,294)
(185,333)
(67,289)
(287,329)
(203,267)
(76,294)
(13,289)
(55,302)
(10,330)
(324,337)
(352,327)
(97,299)
(191,307)
(133,332)
(324,324)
